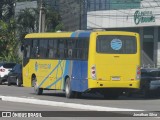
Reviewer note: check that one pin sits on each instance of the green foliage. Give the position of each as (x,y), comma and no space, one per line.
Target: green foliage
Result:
(26,20)
(53,21)
(6,9)
(60,26)
(8,42)
(12,31)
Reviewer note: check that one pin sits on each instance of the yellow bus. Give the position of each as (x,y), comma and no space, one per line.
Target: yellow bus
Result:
(83,61)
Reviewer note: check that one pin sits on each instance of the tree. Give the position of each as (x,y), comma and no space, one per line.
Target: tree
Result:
(7,9)
(26,20)
(53,20)
(8,42)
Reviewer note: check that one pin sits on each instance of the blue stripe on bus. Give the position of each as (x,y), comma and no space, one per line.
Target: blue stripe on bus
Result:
(81,34)
(66,72)
(59,62)
(62,76)
(84,34)
(56,77)
(55,82)
(79,81)
(73,34)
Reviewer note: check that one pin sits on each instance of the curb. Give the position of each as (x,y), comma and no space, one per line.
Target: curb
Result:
(63,104)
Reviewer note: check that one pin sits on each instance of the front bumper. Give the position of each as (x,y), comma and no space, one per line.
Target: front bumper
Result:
(3,79)
(154,85)
(114,84)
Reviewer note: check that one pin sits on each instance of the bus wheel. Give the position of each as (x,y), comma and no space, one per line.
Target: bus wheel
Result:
(68,92)
(38,91)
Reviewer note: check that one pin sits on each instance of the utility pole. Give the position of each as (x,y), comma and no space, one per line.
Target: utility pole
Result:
(80,10)
(42,17)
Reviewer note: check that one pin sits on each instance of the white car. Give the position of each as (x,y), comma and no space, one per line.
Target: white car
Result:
(5,68)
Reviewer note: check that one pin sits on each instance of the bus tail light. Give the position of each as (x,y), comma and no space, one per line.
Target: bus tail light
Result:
(93,72)
(138,72)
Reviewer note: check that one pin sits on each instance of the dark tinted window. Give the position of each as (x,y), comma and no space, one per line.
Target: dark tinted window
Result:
(43,48)
(155,73)
(116,44)
(60,48)
(9,65)
(34,48)
(145,74)
(150,73)
(81,49)
(18,68)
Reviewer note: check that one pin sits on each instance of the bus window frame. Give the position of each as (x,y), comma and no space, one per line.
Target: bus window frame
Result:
(72,48)
(100,52)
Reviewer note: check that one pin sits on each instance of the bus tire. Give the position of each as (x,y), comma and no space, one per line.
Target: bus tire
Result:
(38,91)
(68,91)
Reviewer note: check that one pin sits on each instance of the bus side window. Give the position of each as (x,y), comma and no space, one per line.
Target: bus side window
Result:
(68,49)
(70,53)
(26,51)
(43,48)
(34,49)
(80,48)
(61,48)
(50,47)
(74,49)
(55,49)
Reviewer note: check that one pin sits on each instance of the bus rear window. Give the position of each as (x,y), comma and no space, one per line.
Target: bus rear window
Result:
(116,44)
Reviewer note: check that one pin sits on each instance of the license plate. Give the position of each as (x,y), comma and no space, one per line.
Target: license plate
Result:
(116,78)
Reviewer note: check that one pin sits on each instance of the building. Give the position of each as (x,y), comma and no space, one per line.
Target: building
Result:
(74,14)
(53,4)
(140,16)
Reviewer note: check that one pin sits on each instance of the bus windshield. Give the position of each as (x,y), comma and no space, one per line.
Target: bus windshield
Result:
(111,44)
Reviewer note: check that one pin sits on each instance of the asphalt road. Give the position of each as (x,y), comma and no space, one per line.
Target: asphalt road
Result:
(136,102)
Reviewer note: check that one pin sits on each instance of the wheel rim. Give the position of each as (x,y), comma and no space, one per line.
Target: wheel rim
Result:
(67,88)
(35,86)
(17,82)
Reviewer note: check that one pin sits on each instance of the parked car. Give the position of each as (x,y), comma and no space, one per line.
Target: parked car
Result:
(5,68)
(150,82)
(15,76)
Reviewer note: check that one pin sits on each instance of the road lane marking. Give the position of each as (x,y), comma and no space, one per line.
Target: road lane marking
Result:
(63,104)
